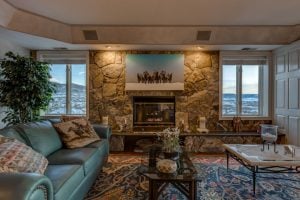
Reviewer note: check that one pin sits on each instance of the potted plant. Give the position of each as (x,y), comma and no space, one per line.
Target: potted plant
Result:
(170,141)
(25,88)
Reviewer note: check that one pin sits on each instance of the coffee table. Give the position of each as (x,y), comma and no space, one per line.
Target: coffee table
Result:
(185,179)
(268,161)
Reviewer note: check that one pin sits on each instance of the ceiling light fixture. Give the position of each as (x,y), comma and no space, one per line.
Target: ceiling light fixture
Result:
(108,47)
(199,48)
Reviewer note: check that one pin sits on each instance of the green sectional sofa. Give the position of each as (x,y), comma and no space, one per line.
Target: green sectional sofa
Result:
(70,173)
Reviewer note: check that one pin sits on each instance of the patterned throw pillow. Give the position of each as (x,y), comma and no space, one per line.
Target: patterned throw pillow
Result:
(76,133)
(65,118)
(18,157)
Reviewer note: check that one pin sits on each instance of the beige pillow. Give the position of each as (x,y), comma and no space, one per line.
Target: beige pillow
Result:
(18,157)
(76,133)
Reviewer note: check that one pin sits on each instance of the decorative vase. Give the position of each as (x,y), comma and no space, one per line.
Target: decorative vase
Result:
(171,155)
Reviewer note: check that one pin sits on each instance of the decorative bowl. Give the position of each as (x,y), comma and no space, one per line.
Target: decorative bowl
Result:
(166,166)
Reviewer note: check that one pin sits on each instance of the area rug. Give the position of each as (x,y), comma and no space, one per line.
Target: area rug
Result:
(120,180)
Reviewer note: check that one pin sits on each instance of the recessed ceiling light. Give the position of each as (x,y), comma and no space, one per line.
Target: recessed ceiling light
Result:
(199,48)
(108,47)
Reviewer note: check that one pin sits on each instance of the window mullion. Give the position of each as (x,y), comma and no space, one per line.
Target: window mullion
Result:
(260,90)
(239,89)
(68,88)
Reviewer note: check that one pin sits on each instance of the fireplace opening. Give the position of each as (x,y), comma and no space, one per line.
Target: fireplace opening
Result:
(153,113)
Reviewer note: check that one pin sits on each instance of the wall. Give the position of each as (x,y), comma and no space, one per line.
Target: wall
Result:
(287,91)
(5,46)
(107,95)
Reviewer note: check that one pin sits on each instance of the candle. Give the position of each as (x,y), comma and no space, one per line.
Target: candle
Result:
(105,120)
(269,137)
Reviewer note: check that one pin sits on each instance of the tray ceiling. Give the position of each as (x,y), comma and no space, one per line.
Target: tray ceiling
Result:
(166,12)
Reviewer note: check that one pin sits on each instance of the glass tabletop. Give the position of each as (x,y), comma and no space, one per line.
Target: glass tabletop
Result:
(278,154)
(185,168)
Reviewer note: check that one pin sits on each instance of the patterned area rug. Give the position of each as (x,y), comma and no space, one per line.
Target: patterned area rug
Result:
(120,180)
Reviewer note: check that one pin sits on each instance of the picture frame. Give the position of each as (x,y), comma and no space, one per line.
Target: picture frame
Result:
(154,72)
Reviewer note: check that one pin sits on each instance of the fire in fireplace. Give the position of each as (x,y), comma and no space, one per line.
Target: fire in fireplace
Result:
(153,111)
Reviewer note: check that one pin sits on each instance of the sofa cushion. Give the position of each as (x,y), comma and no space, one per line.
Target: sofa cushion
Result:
(76,133)
(41,136)
(16,156)
(88,157)
(65,179)
(12,133)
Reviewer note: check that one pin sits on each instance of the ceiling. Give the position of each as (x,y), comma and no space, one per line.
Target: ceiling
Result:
(150,25)
(166,12)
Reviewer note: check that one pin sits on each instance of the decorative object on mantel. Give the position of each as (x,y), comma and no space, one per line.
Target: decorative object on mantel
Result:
(105,120)
(269,135)
(181,126)
(290,149)
(258,127)
(170,141)
(120,122)
(202,125)
(182,121)
(237,124)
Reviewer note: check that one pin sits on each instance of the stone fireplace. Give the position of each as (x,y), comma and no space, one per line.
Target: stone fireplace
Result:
(200,97)
(153,112)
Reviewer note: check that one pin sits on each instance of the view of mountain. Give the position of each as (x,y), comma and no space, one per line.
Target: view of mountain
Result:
(78,99)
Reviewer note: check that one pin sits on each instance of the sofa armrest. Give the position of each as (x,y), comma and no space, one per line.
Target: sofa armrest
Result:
(104,131)
(25,186)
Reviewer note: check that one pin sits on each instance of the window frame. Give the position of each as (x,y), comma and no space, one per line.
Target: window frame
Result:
(268,55)
(67,57)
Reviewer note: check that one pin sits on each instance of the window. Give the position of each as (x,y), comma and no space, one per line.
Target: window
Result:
(244,86)
(68,71)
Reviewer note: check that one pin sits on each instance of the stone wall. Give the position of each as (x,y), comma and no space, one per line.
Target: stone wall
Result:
(107,95)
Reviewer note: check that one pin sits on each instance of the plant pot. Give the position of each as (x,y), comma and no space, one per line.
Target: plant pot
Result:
(171,155)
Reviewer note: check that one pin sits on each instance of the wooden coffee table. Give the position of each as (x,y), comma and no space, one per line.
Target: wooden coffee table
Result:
(267,161)
(185,179)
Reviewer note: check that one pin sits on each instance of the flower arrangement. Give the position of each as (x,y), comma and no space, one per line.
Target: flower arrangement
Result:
(170,139)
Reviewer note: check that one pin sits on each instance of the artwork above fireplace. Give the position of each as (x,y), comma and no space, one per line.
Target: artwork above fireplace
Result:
(151,113)
(154,72)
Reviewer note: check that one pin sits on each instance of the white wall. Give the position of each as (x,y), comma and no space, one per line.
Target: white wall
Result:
(6,46)
(287,90)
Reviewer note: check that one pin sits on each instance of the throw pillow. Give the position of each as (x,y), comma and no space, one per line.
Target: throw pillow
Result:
(65,118)
(76,133)
(18,157)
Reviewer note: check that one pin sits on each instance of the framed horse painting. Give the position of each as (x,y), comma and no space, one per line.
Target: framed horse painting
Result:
(154,72)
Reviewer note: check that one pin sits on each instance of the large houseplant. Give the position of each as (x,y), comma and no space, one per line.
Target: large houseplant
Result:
(25,88)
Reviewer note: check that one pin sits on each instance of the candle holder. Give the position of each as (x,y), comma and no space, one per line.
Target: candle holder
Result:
(269,136)
(202,125)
